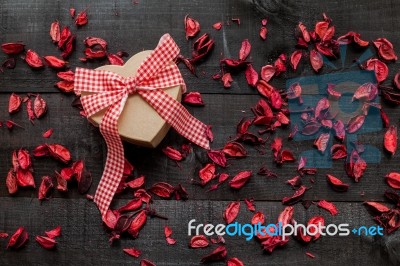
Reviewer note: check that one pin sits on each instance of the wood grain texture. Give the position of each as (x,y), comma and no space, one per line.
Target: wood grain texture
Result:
(84,242)
(136,27)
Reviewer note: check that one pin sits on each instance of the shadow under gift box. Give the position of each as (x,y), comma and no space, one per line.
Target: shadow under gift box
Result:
(138,123)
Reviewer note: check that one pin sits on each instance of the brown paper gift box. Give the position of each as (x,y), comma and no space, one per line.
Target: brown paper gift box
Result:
(139,123)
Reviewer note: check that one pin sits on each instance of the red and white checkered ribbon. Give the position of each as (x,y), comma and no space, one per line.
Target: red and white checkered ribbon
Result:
(110,91)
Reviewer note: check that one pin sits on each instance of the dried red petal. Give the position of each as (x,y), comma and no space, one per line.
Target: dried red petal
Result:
(162,189)
(66,75)
(251,75)
(295,182)
(393,180)
(294,92)
(143,195)
(329,206)
(18,239)
(396,80)
(239,180)
(298,194)
(145,262)
(377,207)
(192,27)
(250,204)
(244,50)
(25,178)
(56,232)
(39,106)
(322,142)
(317,220)
(271,93)
(193,98)
(45,186)
(338,151)
(55,31)
(352,37)
(65,86)
(48,133)
(115,59)
(385,49)
(54,62)
(110,219)
(316,60)
(81,18)
(295,59)
(24,159)
(136,183)
(267,72)
(72,12)
(46,242)
(380,68)
(11,182)
(234,149)
(321,28)
(64,36)
(198,241)
(132,205)
(303,30)
(132,252)
(12,48)
(93,41)
(263,33)
(93,54)
(231,211)
(33,59)
(258,217)
(355,123)
(172,153)
(207,173)
(217,25)
(390,139)
(234,262)
(137,224)
(336,183)
(217,254)
(201,47)
(227,80)
(14,103)
(61,183)
(340,133)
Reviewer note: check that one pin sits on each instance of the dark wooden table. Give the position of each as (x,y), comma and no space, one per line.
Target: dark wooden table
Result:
(137,26)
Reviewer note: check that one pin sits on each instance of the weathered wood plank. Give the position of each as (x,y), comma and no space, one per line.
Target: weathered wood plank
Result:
(136,27)
(223,112)
(84,241)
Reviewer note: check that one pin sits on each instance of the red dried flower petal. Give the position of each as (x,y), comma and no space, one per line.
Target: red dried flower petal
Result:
(267,72)
(11,182)
(355,123)
(162,189)
(380,68)
(303,30)
(136,183)
(66,75)
(132,205)
(18,239)
(234,149)
(250,204)
(39,106)
(198,241)
(48,133)
(81,18)
(316,60)
(207,173)
(143,195)
(329,206)
(390,139)
(56,232)
(338,151)
(46,242)
(72,12)
(132,252)
(295,182)
(239,180)
(137,224)
(231,211)
(12,48)
(258,217)
(251,75)
(244,50)
(145,262)
(322,142)
(115,59)
(218,157)
(193,98)
(65,86)
(172,153)
(393,180)
(192,27)
(263,33)
(234,262)
(295,59)
(377,207)
(217,25)
(336,183)
(54,62)
(385,49)
(33,59)
(45,186)
(14,103)
(227,80)
(25,178)
(55,31)
(61,183)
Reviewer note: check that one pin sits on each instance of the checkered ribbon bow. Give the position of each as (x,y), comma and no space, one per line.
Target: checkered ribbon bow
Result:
(110,91)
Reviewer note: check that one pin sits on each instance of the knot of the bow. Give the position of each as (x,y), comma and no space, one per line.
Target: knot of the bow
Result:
(130,84)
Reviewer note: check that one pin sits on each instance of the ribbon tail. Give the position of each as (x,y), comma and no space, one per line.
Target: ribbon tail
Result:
(113,169)
(176,115)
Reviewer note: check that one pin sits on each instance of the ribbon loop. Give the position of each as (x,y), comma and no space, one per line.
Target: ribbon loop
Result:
(110,91)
